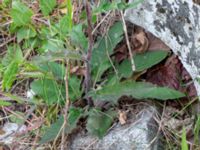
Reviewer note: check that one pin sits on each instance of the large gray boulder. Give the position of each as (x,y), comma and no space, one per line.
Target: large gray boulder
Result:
(177,24)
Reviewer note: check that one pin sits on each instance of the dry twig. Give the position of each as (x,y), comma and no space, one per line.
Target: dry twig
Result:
(127,41)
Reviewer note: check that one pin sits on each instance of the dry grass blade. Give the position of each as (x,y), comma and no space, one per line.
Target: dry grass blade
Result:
(127,41)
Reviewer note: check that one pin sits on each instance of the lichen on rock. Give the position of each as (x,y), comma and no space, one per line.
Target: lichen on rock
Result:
(177,24)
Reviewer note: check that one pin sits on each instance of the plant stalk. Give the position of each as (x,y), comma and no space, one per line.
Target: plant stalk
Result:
(89,52)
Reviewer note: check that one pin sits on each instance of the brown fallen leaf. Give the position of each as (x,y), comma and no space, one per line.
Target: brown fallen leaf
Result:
(78,70)
(166,75)
(139,41)
(173,75)
(2,132)
(122,117)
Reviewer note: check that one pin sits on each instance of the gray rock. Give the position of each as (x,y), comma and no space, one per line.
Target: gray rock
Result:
(139,134)
(177,24)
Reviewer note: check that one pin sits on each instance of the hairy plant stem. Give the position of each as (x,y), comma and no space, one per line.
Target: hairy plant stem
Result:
(89,52)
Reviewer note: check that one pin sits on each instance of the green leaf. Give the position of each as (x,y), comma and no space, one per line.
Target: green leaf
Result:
(4,103)
(9,75)
(78,37)
(25,33)
(149,59)
(63,25)
(14,53)
(184,145)
(138,90)
(75,91)
(106,44)
(103,49)
(52,45)
(47,6)
(52,132)
(49,90)
(57,70)
(31,43)
(20,13)
(99,122)
(142,62)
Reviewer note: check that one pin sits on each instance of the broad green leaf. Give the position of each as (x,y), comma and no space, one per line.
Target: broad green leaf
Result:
(31,43)
(9,75)
(25,33)
(49,90)
(47,6)
(99,122)
(138,90)
(184,145)
(14,53)
(20,13)
(4,103)
(142,62)
(148,59)
(57,70)
(78,37)
(52,132)
(100,70)
(63,25)
(106,44)
(52,45)
(75,91)
(104,47)
(48,32)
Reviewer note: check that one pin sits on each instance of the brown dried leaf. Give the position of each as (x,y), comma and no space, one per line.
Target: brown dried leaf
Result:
(171,75)
(78,70)
(167,75)
(139,41)
(122,117)
(2,132)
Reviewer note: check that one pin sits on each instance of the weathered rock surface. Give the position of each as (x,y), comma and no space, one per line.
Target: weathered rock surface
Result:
(177,24)
(137,135)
